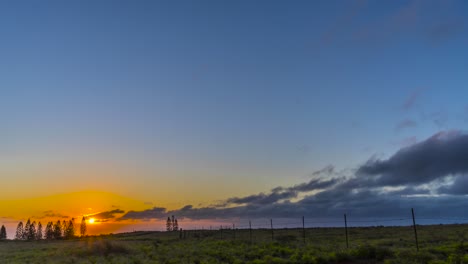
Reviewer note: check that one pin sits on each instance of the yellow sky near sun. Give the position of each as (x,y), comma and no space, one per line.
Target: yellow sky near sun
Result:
(74,204)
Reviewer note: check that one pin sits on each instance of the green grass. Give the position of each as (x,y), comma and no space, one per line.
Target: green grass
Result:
(438,244)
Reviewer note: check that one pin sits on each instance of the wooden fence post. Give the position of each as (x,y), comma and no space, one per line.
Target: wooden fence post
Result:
(272,235)
(346,230)
(303,230)
(415,232)
(250,230)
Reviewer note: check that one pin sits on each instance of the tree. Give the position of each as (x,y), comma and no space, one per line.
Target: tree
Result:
(69,231)
(49,231)
(64,227)
(26,230)
(169,224)
(3,234)
(39,231)
(31,231)
(175,225)
(19,231)
(57,230)
(83,227)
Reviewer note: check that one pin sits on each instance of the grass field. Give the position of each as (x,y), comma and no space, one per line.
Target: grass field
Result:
(438,244)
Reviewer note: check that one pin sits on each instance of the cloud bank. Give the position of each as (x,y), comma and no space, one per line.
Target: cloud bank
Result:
(430,175)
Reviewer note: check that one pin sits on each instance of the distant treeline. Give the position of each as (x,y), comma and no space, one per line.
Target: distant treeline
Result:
(58,230)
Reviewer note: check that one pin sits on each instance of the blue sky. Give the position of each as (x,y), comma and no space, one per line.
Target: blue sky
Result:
(244,95)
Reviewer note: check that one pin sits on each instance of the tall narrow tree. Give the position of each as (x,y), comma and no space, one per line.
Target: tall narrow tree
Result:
(39,231)
(19,231)
(26,229)
(49,231)
(64,227)
(32,231)
(175,225)
(3,234)
(83,227)
(69,232)
(169,224)
(58,230)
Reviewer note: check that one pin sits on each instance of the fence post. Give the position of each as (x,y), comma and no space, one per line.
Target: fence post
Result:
(271,223)
(303,229)
(346,230)
(250,230)
(415,232)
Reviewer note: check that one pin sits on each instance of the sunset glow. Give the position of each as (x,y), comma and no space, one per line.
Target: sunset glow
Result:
(224,112)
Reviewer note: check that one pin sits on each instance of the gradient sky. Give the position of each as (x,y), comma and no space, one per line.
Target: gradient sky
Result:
(172,103)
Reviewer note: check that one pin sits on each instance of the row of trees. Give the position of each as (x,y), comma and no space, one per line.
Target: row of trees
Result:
(58,230)
(172,224)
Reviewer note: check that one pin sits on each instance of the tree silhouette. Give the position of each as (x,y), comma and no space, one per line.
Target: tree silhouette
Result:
(175,225)
(64,227)
(83,227)
(49,231)
(69,231)
(169,224)
(31,231)
(3,234)
(19,231)
(57,230)
(26,230)
(39,231)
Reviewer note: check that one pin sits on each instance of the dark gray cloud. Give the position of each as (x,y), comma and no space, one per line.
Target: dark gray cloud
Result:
(459,186)
(155,213)
(103,216)
(443,154)
(263,198)
(430,176)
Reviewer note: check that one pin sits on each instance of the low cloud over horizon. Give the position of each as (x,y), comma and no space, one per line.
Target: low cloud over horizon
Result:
(429,175)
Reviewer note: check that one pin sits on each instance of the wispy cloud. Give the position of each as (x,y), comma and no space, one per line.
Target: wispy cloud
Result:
(407,123)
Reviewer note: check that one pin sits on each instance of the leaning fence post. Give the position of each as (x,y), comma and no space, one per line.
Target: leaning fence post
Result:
(234,230)
(250,231)
(415,232)
(271,223)
(346,230)
(303,229)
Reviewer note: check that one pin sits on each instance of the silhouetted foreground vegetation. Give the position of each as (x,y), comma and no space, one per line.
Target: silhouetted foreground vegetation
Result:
(438,244)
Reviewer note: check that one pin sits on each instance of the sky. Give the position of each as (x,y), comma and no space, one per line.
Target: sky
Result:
(211,110)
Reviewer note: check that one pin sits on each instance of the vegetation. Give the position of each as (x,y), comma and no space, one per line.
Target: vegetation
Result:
(172,224)
(438,244)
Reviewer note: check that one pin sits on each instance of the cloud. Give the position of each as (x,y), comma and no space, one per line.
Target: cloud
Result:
(430,176)
(411,100)
(51,214)
(441,155)
(106,215)
(155,213)
(407,123)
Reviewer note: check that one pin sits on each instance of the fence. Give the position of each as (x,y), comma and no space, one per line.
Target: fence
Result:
(346,232)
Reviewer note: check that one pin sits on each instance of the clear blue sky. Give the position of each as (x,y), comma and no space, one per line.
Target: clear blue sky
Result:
(261,93)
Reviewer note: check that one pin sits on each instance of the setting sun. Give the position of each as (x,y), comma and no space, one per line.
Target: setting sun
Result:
(91,220)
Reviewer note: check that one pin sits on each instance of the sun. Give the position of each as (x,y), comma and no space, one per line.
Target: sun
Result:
(91,220)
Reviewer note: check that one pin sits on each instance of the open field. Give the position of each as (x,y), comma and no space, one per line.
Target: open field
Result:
(438,244)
